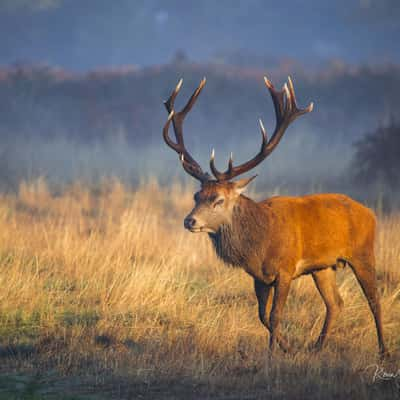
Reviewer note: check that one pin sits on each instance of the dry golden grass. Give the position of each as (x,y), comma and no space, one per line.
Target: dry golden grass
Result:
(104,289)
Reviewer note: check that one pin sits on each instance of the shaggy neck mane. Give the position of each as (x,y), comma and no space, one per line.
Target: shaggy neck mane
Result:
(242,240)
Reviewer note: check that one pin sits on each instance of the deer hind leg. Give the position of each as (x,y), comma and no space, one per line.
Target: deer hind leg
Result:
(325,280)
(263,293)
(364,271)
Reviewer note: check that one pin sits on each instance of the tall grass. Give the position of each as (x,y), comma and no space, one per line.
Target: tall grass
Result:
(105,285)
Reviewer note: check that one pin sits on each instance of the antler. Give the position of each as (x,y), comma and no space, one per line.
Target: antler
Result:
(286,111)
(188,162)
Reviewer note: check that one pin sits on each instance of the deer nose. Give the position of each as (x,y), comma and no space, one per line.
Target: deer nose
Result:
(189,222)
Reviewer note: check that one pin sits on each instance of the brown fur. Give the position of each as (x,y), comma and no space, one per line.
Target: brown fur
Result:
(282,238)
(241,242)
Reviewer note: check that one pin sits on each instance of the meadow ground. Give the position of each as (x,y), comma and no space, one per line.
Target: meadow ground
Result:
(104,295)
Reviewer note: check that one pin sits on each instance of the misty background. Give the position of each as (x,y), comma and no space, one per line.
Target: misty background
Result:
(82,85)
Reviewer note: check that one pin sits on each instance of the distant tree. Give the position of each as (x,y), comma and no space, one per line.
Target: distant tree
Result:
(377,157)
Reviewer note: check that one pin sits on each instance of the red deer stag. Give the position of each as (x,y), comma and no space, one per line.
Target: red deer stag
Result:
(281,238)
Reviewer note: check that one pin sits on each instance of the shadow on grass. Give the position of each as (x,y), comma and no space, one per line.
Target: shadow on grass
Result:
(99,366)
(34,387)
(285,378)
(18,350)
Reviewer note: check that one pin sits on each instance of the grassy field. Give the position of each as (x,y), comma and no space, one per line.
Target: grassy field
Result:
(104,295)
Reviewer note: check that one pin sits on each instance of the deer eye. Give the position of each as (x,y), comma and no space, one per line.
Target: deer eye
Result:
(219,203)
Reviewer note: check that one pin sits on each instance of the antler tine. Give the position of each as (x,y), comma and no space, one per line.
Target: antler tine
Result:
(188,162)
(277,98)
(230,162)
(286,111)
(263,132)
(212,165)
(169,104)
(288,97)
(291,91)
(299,111)
(214,169)
(193,98)
(166,137)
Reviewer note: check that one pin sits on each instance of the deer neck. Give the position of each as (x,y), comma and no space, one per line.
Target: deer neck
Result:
(240,243)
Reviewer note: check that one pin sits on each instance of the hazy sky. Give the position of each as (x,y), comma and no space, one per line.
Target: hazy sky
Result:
(84,34)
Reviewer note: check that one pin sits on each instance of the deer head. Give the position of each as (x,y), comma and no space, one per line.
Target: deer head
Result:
(217,198)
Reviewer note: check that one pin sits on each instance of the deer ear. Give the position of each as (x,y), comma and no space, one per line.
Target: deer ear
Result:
(241,184)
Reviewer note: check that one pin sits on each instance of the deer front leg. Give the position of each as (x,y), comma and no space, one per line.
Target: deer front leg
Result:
(263,292)
(281,291)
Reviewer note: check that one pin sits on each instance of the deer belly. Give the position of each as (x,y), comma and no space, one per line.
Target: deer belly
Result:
(306,266)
